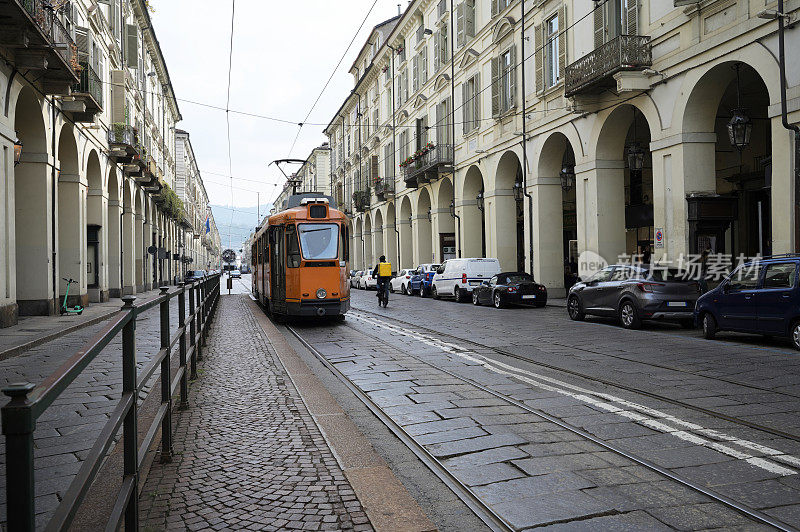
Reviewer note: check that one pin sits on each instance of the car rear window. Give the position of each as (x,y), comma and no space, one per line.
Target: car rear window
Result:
(515,278)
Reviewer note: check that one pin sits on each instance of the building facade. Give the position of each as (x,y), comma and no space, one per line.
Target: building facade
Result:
(577,133)
(87,137)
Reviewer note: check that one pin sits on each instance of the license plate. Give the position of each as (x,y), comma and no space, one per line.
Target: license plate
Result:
(529,297)
(474,283)
(676,303)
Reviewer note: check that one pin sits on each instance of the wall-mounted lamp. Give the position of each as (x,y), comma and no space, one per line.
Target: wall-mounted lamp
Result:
(518,191)
(479,199)
(430,217)
(567,176)
(452,208)
(427,31)
(17,151)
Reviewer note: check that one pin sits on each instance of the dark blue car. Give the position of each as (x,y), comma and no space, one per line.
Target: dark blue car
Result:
(421,281)
(759,297)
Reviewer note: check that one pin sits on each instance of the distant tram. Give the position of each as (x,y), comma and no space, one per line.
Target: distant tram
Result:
(300,259)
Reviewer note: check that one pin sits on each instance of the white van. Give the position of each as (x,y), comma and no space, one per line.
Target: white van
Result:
(457,277)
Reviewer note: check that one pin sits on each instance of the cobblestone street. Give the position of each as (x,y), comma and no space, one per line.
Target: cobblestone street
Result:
(248,455)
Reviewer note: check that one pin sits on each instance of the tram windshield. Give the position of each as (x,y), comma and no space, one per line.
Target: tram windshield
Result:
(319,241)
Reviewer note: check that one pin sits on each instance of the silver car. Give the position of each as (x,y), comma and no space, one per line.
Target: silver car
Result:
(355,278)
(633,294)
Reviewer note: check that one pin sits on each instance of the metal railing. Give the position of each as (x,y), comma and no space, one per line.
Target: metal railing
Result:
(626,52)
(384,186)
(121,135)
(361,200)
(429,162)
(28,403)
(90,83)
(42,12)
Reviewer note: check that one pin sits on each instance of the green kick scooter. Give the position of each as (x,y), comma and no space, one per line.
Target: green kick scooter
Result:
(77,309)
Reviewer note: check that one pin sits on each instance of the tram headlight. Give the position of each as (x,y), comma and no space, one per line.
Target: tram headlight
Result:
(321,293)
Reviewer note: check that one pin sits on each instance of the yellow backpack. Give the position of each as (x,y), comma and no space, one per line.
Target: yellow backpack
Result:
(385,269)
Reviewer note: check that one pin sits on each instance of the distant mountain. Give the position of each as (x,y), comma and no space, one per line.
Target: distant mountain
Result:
(236,224)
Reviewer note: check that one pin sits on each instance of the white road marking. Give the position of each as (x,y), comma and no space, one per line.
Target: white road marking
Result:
(603,401)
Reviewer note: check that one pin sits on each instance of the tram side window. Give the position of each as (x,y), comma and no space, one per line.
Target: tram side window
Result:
(344,245)
(292,247)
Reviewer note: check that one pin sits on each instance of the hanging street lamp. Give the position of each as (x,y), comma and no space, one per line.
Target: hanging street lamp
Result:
(479,199)
(567,176)
(739,126)
(452,208)
(17,151)
(518,192)
(634,151)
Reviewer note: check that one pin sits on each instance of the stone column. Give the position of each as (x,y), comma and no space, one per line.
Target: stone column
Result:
(113,235)
(128,252)
(601,210)
(406,247)
(471,230)
(139,249)
(783,188)
(97,214)
(548,234)
(502,229)
(71,258)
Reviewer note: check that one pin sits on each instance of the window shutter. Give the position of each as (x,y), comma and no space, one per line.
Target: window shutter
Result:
(599,26)
(436,46)
(495,8)
(405,85)
(470,19)
(495,86)
(562,42)
(539,56)
(476,101)
(466,107)
(132,45)
(425,129)
(460,25)
(82,42)
(117,96)
(415,73)
(512,76)
(424,65)
(375,172)
(445,45)
(633,17)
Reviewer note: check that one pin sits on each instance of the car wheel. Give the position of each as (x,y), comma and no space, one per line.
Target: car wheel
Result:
(475,300)
(796,334)
(403,290)
(434,293)
(687,324)
(391,289)
(498,301)
(421,292)
(457,294)
(709,326)
(629,316)
(574,309)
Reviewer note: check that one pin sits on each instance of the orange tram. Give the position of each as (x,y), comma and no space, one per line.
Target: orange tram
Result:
(300,258)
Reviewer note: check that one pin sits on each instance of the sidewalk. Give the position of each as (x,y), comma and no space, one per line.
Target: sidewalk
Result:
(248,454)
(36,330)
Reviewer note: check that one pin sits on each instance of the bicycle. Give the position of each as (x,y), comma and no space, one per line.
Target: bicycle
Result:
(383,293)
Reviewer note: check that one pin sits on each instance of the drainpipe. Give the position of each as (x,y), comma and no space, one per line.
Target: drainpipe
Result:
(394,151)
(55,202)
(453,122)
(525,146)
(785,118)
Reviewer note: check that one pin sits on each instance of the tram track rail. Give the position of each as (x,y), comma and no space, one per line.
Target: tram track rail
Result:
(482,510)
(677,402)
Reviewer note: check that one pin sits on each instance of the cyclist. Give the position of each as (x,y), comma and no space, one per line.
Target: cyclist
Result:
(383,274)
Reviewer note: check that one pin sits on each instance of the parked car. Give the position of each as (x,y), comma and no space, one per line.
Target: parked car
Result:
(510,288)
(458,277)
(367,281)
(355,275)
(422,278)
(758,297)
(401,282)
(194,275)
(633,294)
(235,274)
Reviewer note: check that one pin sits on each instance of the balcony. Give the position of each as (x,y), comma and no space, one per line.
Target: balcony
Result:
(124,147)
(384,188)
(361,200)
(594,72)
(427,165)
(88,94)
(39,42)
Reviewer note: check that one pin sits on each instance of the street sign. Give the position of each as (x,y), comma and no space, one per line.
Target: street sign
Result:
(659,237)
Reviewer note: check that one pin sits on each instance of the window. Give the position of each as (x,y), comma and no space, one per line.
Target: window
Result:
(551,52)
(423,66)
(744,278)
(422,131)
(471,106)
(499,6)
(403,145)
(506,65)
(415,74)
(375,119)
(401,48)
(779,275)
(504,82)
(388,162)
(614,18)
(443,122)
(441,49)
(319,241)
(465,22)
(603,275)
(292,248)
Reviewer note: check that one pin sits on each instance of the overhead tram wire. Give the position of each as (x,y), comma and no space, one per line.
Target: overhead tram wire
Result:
(355,36)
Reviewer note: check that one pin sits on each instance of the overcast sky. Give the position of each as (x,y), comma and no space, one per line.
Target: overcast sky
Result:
(283,52)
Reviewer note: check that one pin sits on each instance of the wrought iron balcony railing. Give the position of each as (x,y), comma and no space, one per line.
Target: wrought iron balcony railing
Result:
(361,199)
(429,165)
(383,187)
(90,85)
(49,48)
(594,70)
